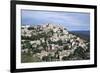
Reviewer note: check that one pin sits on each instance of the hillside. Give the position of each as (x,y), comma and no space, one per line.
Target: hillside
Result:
(51,42)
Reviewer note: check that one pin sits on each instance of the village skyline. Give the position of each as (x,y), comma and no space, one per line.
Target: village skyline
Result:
(71,20)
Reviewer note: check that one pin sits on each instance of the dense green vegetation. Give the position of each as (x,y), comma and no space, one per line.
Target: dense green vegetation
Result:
(27,58)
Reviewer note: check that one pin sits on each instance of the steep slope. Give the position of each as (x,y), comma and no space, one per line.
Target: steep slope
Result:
(53,41)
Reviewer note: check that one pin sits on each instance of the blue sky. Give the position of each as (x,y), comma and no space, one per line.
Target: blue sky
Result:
(70,20)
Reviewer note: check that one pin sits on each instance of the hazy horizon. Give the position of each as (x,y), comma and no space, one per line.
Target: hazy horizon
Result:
(73,21)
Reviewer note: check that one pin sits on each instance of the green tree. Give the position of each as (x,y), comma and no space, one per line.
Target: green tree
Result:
(65,58)
(60,42)
(44,45)
(44,58)
(88,47)
(28,46)
(79,53)
(66,47)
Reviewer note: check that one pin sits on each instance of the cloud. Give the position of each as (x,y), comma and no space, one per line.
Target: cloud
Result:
(71,20)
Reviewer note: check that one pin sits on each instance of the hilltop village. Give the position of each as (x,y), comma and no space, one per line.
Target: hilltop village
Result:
(51,42)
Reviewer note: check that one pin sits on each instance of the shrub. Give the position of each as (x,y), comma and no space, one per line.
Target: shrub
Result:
(65,58)
(44,58)
(79,52)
